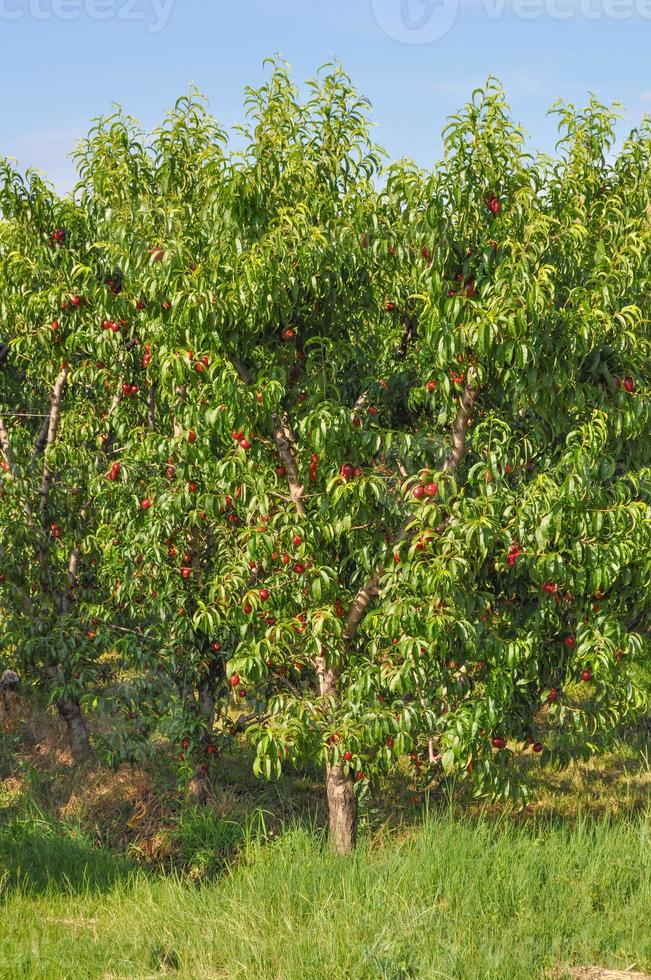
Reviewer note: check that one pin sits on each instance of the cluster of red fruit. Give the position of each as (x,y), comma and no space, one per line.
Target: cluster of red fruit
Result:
(129,389)
(425,490)
(348,471)
(113,325)
(58,236)
(55,530)
(314,459)
(146,357)
(629,384)
(235,683)
(242,440)
(493,204)
(114,472)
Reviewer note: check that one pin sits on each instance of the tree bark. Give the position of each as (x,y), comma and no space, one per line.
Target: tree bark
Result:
(343,810)
(73,716)
(200,786)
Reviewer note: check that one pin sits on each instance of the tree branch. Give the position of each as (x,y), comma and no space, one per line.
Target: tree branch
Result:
(372,589)
(53,427)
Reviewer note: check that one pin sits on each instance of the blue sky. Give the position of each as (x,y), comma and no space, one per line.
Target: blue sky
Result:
(61,64)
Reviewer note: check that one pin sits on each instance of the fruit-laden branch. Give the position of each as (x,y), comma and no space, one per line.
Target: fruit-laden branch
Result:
(372,589)
(283,440)
(53,427)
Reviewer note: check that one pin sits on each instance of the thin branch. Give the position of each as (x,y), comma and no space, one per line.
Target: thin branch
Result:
(39,445)
(53,427)
(372,589)
(282,440)
(151,407)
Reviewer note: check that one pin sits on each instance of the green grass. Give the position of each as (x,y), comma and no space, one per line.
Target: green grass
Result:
(456,898)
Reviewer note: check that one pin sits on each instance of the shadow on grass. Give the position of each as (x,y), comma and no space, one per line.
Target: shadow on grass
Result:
(40,857)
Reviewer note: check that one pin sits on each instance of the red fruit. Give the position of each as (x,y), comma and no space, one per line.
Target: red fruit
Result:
(296,540)
(347,471)
(185,743)
(170,472)
(248,608)
(372,410)
(629,384)
(498,742)
(425,252)
(549,587)
(281,471)
(586,675)
(569,641)
(432,489)
(199,367)
(289,334)
(192,436)
(390,307)
(235,680)
(171,551)
(348,756)
(537,746)
(299,568)
(418,492)
(357,421)
(192,487)
(553,695)
(210,750)
(140,304)
(389,742)
(55,325)
(186,573)
(126,389)
(396,558)
(216,646)
(264,594)
(75,300)
(243,693)
(145,504)
(431,385)
(244,443)
(285,559)
(494,205)
(360,776)
(357,471)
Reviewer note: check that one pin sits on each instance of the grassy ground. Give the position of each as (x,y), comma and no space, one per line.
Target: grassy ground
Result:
(444,890)
(453,899)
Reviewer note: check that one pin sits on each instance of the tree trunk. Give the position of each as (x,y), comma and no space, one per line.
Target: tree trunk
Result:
(343,810)
(199,787)
(76,728)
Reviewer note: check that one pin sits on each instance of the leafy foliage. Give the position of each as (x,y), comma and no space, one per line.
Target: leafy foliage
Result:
(353,457)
